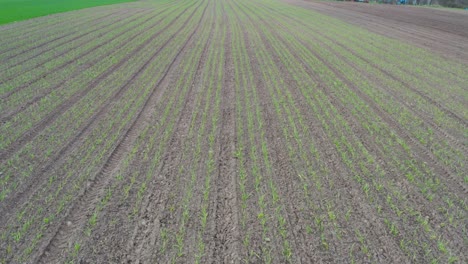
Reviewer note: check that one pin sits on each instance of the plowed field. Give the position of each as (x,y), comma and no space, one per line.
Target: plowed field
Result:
(235,131)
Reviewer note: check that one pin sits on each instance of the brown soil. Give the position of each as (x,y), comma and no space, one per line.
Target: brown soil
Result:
(439,30)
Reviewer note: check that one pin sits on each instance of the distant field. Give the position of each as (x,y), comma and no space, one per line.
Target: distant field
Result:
(17,10)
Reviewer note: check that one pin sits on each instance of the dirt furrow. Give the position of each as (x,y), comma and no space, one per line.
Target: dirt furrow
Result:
(420,152)
(227,239)
(378,110)
(67,104)
(282,168)
(220,131)
(251,249)
(191,228)
(271,244)
(201,229)
(145,243)
(9,30)
(444,73)
(399,80)
(87,201)
(426,153)
(414,195)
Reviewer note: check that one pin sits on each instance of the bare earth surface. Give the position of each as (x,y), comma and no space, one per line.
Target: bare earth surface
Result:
(444,31)
(235,131)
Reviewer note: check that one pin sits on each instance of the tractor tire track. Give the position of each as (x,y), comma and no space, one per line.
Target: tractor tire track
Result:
(200,232)
(227,248)
(21,196)
(267,250)
(307,162)
(144,237)
(117,239)
(86,201)
(67,104)
(135,246)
